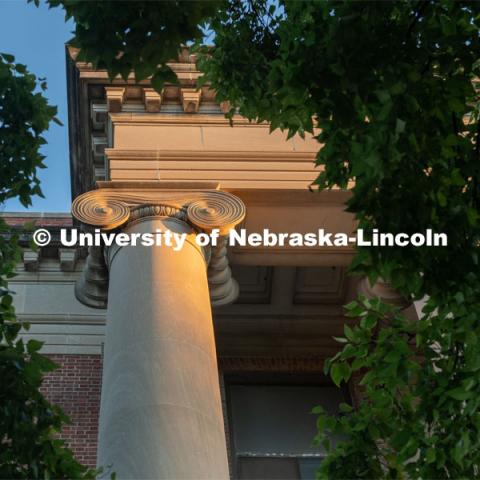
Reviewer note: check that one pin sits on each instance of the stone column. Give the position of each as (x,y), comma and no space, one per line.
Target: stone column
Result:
(161,415)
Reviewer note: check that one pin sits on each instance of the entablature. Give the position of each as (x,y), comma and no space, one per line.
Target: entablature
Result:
(125,130)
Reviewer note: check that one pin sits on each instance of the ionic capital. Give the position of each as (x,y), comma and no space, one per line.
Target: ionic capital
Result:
(202,210)
(205,210)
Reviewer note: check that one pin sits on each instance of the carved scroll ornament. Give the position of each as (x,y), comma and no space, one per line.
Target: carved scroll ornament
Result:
(204,210)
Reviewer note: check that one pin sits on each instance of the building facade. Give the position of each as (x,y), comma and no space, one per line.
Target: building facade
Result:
(201,363)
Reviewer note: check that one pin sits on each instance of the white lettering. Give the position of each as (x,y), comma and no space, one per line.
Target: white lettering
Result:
(237,238)
(73,237)
(399,241)
(341,240)
(361,241)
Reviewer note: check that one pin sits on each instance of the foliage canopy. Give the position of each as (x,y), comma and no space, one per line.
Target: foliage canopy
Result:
(29,447)
(388,88)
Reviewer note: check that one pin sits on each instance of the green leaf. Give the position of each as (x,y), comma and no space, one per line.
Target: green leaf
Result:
(336,374)
(349,334)
(7,301)
(34,346)
(459,394)
(400,126)
(340,372)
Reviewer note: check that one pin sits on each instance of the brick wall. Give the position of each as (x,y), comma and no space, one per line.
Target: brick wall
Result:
(75,387)
(39,220)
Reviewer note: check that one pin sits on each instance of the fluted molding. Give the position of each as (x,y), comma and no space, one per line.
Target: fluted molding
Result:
(204,210)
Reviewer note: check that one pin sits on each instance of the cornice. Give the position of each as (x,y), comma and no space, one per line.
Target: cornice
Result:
(156,185)
(184,67)
(86,71)
(209,155)
(100,108)
(92,97)
(133,118)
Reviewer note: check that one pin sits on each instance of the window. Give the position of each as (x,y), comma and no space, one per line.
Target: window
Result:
(277,468)
(272,429)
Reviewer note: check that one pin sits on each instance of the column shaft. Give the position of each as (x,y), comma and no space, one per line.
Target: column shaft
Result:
(161,414)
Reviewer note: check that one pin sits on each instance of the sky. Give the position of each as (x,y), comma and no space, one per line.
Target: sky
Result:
(37,37)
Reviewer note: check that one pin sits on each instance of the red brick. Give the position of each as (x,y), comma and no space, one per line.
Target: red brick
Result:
(75,387)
